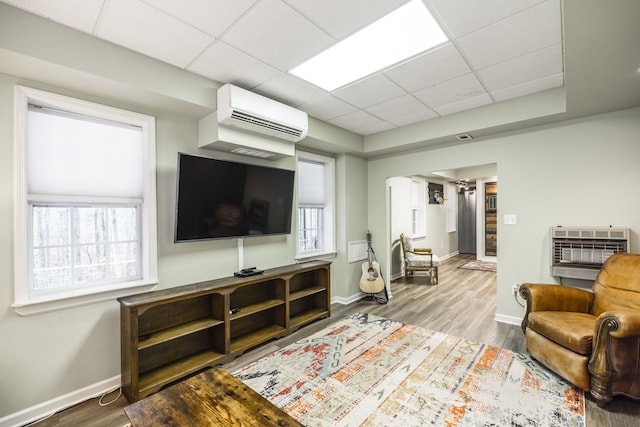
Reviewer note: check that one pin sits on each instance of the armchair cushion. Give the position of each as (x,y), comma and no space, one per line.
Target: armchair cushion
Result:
(408,243)
(561,360)
(569,329)
(423,260)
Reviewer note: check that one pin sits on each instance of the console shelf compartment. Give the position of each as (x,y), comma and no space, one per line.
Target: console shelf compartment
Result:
(258,336)
(306,292)
(169,334)
(152,381)
(306,317)
(177,332)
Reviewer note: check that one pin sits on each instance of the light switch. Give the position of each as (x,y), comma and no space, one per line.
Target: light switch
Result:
(510,219)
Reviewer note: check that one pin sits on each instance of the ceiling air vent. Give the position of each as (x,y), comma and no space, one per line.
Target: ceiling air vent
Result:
(464,137)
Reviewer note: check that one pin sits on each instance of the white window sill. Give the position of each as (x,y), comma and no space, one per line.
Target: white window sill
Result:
(30,308)
(316,255)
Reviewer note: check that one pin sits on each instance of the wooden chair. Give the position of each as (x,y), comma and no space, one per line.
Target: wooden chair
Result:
(418,259)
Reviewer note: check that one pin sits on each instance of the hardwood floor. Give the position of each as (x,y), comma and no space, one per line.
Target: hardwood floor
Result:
(462,304)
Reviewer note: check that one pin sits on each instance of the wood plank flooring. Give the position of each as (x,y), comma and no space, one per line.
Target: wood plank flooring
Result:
(462,304)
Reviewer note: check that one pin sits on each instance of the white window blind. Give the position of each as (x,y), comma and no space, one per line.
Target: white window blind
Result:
(316,220)
(74,155)
(311,179)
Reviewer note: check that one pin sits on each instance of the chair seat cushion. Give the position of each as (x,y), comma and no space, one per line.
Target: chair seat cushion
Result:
(569,329)
(423,261)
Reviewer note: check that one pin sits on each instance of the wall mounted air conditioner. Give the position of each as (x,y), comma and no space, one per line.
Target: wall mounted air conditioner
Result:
(241,108)
(251,124)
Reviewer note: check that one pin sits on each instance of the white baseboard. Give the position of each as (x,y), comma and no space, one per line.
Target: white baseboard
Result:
(347,300)
(60,403)
(511,320)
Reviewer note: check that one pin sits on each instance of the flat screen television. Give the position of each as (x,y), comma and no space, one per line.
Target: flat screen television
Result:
(219,199)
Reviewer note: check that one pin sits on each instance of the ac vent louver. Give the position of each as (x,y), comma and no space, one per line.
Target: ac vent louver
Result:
(267,124)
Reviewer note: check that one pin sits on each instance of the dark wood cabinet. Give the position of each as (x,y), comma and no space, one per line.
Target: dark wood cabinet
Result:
(169,334)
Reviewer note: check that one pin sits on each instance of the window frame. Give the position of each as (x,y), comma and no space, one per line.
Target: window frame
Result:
(24,302)
(419,200)
(328,218)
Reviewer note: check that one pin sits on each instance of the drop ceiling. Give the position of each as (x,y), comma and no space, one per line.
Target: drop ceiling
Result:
(497,50)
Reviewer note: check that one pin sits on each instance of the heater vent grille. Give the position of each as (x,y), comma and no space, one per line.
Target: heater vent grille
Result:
(580,252)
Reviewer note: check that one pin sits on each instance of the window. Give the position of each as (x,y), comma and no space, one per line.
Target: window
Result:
(85,204)
(418,201)
(315,204)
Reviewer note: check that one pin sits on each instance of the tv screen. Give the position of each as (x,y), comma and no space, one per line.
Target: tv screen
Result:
(219,199)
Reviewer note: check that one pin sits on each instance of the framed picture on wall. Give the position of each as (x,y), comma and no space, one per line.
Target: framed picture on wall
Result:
(436,193)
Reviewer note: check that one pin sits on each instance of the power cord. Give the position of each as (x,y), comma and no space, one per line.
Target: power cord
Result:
(515,297)
(101,403)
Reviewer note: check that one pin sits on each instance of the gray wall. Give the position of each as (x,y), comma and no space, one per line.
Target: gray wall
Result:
(580,173)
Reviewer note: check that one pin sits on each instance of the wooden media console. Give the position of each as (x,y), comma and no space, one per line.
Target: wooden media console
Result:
(170,334)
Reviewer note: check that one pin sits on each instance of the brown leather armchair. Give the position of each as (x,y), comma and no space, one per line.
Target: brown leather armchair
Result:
(591,339)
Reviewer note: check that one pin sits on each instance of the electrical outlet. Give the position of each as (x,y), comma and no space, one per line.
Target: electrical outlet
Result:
(514,289)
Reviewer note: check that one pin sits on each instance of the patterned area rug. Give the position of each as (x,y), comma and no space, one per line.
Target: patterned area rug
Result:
(479,265)
(371,371)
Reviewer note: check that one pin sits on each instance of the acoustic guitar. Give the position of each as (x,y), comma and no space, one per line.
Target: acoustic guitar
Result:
(371,281)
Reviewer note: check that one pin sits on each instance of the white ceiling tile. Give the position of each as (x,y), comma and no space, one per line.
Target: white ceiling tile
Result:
(465,16)
(133,24)
(532,66)
(370,91)
(342,18)
(212,17)
(530,87)
(397,107)
(356,120)
(78,14)
(525,32)
(226,64)
(436,66)
(463,105)
(327,107)
(290,90)
(421,116)
(375,128)
(278,35)
(458,89)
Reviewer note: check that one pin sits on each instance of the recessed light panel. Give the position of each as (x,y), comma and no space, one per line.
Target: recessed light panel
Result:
(399,35)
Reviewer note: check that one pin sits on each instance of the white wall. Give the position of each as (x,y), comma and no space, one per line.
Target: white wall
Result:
(436,237)
(581,173)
